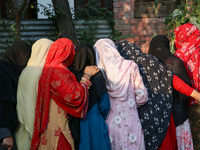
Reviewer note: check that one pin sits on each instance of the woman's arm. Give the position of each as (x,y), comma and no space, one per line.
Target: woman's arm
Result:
(68,93)
(185,89)
(6,138)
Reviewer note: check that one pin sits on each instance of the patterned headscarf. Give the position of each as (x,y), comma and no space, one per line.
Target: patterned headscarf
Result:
(155,114)
(187,45)
(159,47)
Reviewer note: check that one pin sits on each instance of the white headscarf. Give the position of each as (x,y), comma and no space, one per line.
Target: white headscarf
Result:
(28,84)
(115,68)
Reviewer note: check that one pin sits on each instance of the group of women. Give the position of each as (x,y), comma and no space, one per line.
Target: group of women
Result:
(108,96)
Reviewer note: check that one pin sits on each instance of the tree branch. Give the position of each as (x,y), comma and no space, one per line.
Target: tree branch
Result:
(12,7)
(24,3)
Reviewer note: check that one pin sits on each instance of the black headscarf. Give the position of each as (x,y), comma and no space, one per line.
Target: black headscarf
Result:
(155,114)
(159,47)
(85,56)
(14,61)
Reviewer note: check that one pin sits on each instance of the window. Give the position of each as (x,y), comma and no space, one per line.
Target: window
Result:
(146,8)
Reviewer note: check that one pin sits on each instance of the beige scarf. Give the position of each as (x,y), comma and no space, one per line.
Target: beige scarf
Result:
(27,92)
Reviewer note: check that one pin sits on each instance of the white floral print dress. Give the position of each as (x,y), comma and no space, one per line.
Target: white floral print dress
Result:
(124,127)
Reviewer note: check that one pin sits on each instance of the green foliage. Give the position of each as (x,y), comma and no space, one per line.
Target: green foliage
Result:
(95,11)
(91,13)
(7,36)
(118,35)
(48,11)
(181,15)
(156,8)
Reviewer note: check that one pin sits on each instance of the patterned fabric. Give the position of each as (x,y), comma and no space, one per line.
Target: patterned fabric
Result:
(155,114)
(126,91)
(115,69)
(57,130)
(63,143)
(184,136)
(58,83)
(159,47)
(187,45)
(194,117)
(124,126)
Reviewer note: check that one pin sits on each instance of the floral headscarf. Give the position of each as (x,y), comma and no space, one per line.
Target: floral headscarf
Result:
(187,45)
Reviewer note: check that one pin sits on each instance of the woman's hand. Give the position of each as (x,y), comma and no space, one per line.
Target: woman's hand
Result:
(8,143)
(196,96)
(91,71)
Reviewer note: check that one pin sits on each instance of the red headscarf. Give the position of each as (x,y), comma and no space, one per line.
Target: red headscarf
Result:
(187,45)
(58,83)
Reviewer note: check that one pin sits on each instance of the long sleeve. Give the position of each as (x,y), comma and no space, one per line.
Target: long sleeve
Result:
(68,93)
(181,86)
(141,94)
(4,133)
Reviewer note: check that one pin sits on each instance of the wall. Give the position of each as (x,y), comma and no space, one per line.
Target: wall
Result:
(144,29)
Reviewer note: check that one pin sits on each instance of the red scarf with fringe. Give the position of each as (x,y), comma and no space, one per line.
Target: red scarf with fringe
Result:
(58,83)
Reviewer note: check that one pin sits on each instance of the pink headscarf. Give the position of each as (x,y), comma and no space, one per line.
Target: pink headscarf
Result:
(115,68)
(187,45)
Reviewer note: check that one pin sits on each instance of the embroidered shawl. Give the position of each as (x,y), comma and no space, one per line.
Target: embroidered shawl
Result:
(58,83)
(187,45)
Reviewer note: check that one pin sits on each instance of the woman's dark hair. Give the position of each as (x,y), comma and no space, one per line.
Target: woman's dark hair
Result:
(84,56)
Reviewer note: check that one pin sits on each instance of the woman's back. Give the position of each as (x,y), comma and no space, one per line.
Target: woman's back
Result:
(93,129)
(126,91)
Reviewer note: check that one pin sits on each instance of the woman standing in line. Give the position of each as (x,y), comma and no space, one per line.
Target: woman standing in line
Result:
(27,93)
(59,94)
(14,61)
(126,92)
(93,128)
(160,48)
(154,115)
(187,46)
(158,81)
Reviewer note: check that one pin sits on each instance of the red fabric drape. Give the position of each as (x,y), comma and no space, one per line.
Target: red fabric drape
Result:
(170,141)
(187,45)
(63,144)
(58,83)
